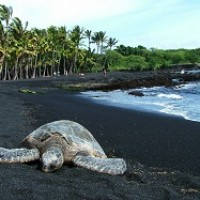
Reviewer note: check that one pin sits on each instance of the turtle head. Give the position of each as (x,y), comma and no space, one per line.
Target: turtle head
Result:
(52,159)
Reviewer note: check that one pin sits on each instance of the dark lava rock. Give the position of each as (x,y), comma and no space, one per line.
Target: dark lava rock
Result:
(136,93)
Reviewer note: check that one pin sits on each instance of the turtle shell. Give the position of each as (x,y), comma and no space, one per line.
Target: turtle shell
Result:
(74,134)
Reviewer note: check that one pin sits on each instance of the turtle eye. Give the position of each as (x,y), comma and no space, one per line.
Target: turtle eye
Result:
(58,155)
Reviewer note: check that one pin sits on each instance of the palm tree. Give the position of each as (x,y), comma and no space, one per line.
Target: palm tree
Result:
(89,60)
(88,34)
(103,39)
(2,53)
(64,43)
(122,50)
(76,37)
(36,52)
(43,47)
(96,39)
(111,42)
(52,33)
(99,38)
(17,28)
(6,13)
(33,39)
(20,47)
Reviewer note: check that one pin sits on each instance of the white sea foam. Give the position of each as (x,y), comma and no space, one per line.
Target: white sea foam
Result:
(170,96)
(181,101)
(174,111)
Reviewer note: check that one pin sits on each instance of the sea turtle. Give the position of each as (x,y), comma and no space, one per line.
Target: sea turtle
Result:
(61,142)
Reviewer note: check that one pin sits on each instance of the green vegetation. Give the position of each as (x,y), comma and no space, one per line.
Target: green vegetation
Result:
(27,91)
(45,52)
(141,58)
(56,50)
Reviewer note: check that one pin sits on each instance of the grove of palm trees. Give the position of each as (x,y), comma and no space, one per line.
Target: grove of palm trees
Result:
(44,52)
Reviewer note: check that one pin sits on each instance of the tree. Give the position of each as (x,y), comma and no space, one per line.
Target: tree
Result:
(6,13)
(76,37)
(17,29)
(96,39)
(111,42)
(34,39)
(64,44)
(116,61)
(20,47)
(134,62)
(36,52)
(193,55)
(88,34)
(178,57)
(99,38)
(88,61)
(2,52)
(103,39)
(121,49)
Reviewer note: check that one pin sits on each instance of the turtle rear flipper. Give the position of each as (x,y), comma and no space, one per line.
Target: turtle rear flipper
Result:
(21,155)
(104,165)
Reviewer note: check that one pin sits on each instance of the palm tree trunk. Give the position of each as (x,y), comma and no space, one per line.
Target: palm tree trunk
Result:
(58,68)
(26,72)
(101,49)
(1,66)
(64,66)
(53,64)
(34,66)
(71,67)
(39,67)
(20,72)
(98,47)
(40,71)
(16,69)
(8,72)
(45,67)
(74,69)
(30,68)
(5,70)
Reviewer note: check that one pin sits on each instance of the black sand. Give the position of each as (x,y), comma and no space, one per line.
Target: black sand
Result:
(162,152)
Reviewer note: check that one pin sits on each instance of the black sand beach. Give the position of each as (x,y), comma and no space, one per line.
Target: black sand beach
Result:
(162,152)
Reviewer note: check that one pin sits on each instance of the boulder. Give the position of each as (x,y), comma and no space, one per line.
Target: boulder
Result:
(136,93)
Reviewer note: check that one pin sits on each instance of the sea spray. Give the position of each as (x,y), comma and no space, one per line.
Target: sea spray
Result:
(182,100)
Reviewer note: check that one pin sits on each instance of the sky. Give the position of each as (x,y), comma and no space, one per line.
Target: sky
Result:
(164,24)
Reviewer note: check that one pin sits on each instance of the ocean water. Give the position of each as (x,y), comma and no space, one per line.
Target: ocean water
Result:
(182,100)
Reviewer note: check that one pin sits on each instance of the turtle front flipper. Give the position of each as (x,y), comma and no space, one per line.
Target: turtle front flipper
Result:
(112,166)
(21,155)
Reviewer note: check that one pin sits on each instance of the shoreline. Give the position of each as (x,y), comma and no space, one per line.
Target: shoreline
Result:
(109,116)
(134,108)
(152,100)
(113,80)
(162,152)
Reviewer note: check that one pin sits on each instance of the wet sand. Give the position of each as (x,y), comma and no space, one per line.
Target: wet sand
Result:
(162,152)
